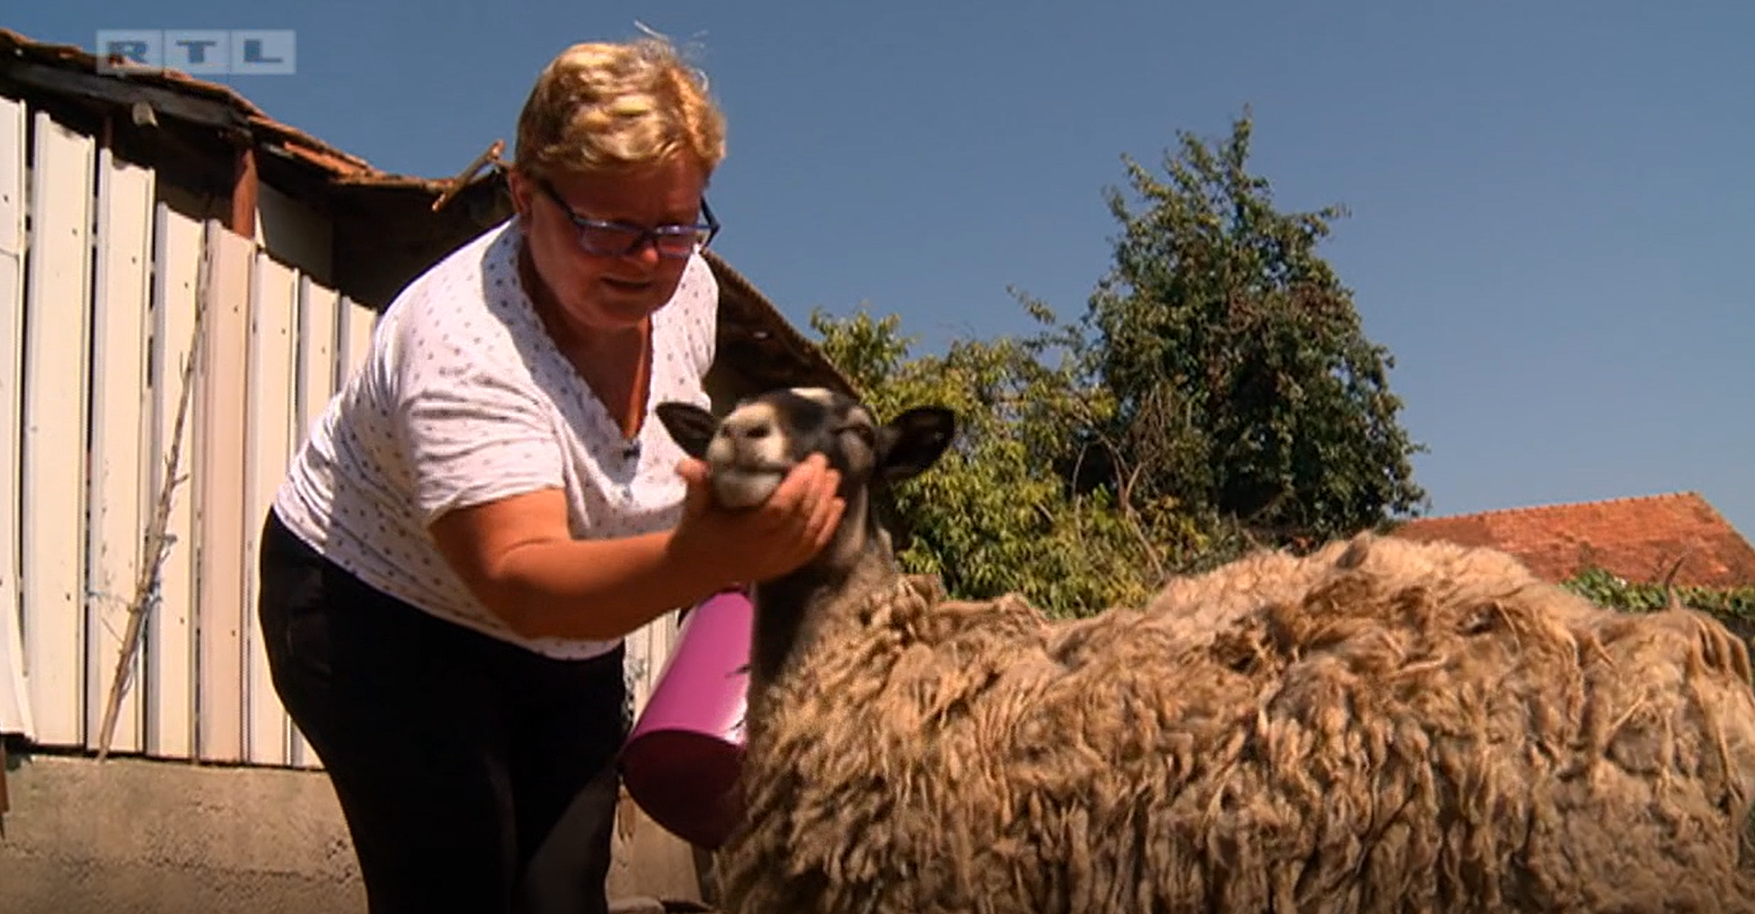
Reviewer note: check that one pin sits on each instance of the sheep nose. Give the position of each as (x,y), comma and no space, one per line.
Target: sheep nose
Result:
(750,431)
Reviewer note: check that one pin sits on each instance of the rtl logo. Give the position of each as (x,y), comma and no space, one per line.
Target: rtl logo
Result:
(199,52)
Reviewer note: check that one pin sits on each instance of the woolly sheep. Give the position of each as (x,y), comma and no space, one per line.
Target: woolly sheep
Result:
(1379,726)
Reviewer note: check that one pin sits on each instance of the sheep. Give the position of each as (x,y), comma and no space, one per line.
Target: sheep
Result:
(1378,726)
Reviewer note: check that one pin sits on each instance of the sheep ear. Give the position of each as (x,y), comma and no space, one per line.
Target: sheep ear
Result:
(690,426)
(915,440)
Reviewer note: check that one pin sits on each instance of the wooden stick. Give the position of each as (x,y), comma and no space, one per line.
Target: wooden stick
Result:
(490,155)
(157,546)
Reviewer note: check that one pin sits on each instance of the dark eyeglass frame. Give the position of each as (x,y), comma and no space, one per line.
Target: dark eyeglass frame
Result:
(703,233)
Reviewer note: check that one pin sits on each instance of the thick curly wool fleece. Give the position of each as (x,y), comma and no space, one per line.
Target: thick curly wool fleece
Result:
(1380,727)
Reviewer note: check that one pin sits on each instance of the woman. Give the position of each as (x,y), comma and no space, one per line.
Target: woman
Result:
(488,507)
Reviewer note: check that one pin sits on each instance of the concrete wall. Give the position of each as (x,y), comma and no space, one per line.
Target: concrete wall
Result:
(147,837)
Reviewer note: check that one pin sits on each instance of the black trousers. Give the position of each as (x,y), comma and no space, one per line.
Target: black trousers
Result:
(475,775)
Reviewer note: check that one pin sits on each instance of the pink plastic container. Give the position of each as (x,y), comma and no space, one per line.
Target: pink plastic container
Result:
(681,759)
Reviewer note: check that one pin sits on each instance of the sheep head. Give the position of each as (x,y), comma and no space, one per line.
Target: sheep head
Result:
(750,451)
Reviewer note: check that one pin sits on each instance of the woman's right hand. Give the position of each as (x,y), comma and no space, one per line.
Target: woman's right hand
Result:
(770,540)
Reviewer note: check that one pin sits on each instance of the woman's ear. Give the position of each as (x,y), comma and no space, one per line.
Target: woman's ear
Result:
(520,188)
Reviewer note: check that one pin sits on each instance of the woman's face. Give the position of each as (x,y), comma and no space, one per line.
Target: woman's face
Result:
(608,290)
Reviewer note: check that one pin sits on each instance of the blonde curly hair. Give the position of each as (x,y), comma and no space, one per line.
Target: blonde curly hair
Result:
(610,107)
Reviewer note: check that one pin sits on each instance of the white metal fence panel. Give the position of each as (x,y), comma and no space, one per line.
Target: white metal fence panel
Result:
(168,686)
(219,495)
(58,258)
(15,714)
(120,410)
(274,303)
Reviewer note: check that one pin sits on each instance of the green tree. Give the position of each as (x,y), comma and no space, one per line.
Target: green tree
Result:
(1243,384)
(1218,394)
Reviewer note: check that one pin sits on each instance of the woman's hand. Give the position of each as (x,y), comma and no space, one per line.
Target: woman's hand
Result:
(772,539)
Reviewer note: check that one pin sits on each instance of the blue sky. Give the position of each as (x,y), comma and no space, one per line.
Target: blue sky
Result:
(1551,203)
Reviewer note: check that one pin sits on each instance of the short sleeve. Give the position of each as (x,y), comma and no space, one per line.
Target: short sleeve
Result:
(470,421)
(471,437)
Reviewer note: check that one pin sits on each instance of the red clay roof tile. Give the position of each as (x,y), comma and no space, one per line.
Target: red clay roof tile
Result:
(1638,539)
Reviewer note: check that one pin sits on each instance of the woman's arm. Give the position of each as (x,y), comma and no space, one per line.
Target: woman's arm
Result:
(518,557)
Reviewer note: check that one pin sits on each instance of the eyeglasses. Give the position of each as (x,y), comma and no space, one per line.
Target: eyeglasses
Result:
(619,239)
